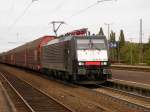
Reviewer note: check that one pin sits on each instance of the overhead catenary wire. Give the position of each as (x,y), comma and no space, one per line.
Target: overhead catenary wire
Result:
(55,9)
(60,5)
(85,9)
(10,10)
(21,15)
(82,11)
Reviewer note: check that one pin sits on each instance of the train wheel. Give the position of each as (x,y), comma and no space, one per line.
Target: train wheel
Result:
(63,77)
(67,77)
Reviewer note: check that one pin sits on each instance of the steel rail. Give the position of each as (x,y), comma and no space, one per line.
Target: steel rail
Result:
(24,101)
(52,104)
(130,104)
(9,101)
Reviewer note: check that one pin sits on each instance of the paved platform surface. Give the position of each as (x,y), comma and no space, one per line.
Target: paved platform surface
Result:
(134,76)
(131,66)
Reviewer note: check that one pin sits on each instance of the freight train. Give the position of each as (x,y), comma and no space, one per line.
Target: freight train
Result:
(73,57)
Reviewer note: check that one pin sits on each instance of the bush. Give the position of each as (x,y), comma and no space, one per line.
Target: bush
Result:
(147,57)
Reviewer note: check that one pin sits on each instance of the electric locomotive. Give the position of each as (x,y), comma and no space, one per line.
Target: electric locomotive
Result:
(82,59)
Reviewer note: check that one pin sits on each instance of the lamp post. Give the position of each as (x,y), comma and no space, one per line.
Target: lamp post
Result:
(108,38)
(131,53)
(108,32)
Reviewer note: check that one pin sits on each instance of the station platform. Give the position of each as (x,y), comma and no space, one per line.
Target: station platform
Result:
(131,67)
(131,83)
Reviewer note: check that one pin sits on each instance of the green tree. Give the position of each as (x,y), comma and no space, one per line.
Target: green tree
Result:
(121,46)
(121,39)
(130,53)
(112,37)
(149,42)
(147,53)
(147,57)
(101,32)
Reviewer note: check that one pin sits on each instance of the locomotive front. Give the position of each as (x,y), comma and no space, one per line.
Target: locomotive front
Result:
(92,58)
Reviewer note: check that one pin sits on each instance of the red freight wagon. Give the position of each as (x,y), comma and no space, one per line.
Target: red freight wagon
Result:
(28,55)
(7,58)
(2,57)
(11,58)
(18,56)
(33,52)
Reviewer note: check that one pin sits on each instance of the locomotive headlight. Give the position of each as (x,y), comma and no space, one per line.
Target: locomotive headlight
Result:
(105,63)
(81,63)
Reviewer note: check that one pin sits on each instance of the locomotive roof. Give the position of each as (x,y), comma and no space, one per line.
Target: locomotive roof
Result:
(62,39)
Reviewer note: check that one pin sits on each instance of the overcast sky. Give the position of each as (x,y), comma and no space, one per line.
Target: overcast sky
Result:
(122,14)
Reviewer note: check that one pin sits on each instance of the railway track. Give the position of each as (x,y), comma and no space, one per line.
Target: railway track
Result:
(131,100)
(6,104)
(27,98)
(107,101)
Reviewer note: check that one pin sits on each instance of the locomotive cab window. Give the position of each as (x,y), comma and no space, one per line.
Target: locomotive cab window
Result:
(99,44)
(83,44)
